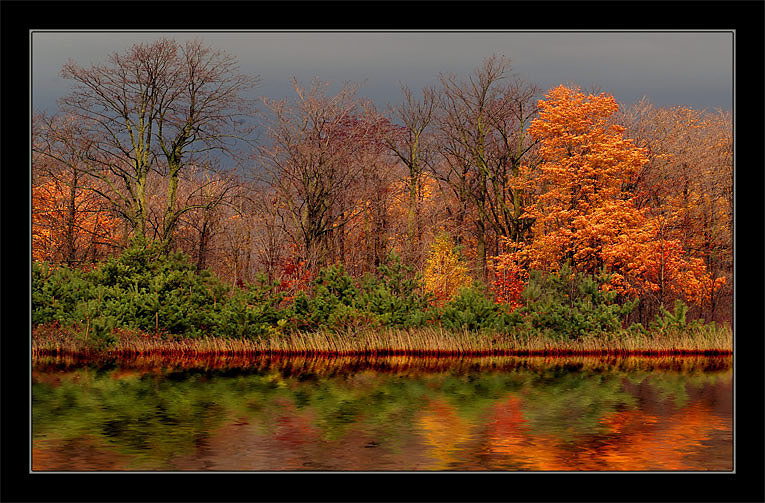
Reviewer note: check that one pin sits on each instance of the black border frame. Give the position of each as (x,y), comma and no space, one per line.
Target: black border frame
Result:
(18,17)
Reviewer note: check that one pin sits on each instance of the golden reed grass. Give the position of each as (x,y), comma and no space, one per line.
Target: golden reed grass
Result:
(395,342)
(337,365)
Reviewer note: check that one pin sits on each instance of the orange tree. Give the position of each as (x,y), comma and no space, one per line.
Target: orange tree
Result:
(585,162)
(584,214)
(70,224)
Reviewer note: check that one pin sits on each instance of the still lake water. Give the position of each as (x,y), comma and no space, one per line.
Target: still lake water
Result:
(385,414)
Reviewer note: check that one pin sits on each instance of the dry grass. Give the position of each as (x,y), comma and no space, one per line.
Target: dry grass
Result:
(332,365)
(382,342)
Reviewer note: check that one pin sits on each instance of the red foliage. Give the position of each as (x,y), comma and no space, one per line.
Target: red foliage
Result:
(294,274)
(509,280)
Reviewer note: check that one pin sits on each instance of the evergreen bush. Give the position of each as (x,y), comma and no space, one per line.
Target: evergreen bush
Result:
(251,312)
(570,305)
(334,302)
(473,309)
(393,297)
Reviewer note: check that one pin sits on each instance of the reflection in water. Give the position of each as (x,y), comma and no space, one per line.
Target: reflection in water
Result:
(398,413)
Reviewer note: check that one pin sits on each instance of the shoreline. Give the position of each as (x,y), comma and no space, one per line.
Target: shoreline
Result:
(384,353)
(51,340)
(383,343)
(325,364)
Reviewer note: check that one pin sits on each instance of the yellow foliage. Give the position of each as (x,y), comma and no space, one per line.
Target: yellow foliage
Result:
(445,272)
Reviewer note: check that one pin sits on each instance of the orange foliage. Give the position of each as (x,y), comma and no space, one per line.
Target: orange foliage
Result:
(647,263)
(509,279)
(94,228)
(585,164)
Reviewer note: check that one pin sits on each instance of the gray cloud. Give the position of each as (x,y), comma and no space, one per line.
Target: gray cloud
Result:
(687,68)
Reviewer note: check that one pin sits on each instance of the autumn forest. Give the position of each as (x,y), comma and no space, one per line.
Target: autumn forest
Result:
(167,204)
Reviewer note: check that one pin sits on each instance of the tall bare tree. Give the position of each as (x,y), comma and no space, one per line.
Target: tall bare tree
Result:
(155,107)
(482,124)
(305,163)
(413,148)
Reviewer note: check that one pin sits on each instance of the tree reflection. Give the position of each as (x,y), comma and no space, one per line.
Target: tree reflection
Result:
(500,415)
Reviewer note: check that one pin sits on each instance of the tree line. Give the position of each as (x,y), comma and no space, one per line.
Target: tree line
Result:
(482,178)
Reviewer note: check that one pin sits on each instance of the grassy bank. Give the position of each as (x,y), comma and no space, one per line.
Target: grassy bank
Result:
(334,365)
(113,308)
(49,340)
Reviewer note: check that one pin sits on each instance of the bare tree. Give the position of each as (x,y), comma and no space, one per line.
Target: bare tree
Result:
(374,194)
(155,107)
(481,122)
(304,163)
(270,240)
(207,191)
(412,146)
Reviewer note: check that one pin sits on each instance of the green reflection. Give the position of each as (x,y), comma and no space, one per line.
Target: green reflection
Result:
(153,416)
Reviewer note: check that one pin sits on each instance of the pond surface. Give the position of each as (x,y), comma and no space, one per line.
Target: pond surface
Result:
(392,414)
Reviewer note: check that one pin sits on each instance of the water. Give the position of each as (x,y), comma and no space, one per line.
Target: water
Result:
(497,414)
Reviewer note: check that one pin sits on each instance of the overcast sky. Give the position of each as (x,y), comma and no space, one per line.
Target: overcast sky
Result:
(677,68)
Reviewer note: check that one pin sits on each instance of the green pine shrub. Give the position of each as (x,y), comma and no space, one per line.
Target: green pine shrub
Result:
(569,305)
(251,312)
(666,322)
(334,302)
(393,297)
(156,292)
(56,293)
(473,309)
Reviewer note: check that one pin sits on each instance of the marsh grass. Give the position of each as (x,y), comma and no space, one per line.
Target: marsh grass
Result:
(48,340)
(332,364)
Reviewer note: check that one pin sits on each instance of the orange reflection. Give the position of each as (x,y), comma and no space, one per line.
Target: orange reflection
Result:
(443,430)
(647,443)
(633,441)
(510,436)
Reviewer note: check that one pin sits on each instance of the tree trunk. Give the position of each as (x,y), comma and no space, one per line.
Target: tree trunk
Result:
(201,255)
(140,210)
(170,217)
(69,249)
(412,216)
(481,250)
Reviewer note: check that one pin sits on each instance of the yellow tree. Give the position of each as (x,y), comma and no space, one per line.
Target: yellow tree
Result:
(445,271)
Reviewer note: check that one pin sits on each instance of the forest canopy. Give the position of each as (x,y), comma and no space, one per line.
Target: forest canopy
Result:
(480,183)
